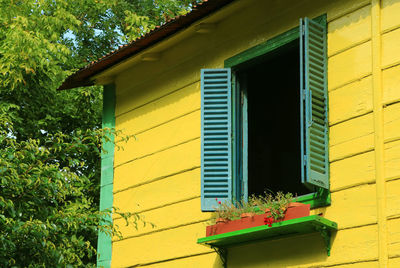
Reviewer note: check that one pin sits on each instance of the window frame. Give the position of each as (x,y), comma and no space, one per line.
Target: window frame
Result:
(321,197)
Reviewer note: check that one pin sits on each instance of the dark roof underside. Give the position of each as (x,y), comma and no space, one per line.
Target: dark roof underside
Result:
(82,76)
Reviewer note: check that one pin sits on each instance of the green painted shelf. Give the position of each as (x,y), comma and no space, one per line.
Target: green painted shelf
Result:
(304,225)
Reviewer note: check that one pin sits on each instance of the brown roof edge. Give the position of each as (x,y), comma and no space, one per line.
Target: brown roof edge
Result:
(82,76)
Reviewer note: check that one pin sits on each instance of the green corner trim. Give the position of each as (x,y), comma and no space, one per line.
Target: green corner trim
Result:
(304,225)
(104,264)
(104,243)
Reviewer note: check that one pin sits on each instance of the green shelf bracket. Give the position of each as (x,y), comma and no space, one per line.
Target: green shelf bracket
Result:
(223,254)
(326,235)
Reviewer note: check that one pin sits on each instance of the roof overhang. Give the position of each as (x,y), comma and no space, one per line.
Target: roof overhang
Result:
(83,77)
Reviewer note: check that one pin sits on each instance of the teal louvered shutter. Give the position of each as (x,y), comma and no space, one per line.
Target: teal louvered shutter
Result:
(216,149)
(314,104)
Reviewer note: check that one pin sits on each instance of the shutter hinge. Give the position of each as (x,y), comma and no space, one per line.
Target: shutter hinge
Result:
(305,160)
(304,94)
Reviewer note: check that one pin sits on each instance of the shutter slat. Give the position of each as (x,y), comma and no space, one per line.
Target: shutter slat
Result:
(216,143)
(215,104)
(215,124)
(317,87)
(215,156)
(216,180)
(220,82)
(318,108)
(318,115)
(219,128)
(211,97)
(216,184)
(317,157)
(317,132)
(317,100)
(214,175)
(316,138)
(215,118)
(315,45)
(215,163)
(316,149)
(215,96)
(316,169)
(315,163)
(316,78)
(216,153)
(317,120)
(315,57)
(214,88)
(220,139)
(215,75)
(317,37)
(316,67)
(320,128)
(215,137)
(318,145)
(216,171)
(316,72)
(217,107)
(215,91)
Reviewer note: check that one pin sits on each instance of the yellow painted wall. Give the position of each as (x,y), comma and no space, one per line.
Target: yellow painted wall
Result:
(158,172)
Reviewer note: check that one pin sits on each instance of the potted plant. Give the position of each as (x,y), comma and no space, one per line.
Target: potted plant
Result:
(260,210)
(224,212)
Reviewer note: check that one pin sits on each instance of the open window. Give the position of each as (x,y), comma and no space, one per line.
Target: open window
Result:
(264,119)
(269,122)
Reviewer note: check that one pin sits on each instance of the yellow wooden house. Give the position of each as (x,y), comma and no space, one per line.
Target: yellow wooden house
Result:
(239,96)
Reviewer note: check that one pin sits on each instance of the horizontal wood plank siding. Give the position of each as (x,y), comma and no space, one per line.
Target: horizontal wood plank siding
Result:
(158,173)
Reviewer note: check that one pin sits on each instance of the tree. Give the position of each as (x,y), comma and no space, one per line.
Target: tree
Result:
(50,141)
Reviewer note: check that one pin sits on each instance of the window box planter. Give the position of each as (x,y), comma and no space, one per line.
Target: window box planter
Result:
(304,225)
(294,211)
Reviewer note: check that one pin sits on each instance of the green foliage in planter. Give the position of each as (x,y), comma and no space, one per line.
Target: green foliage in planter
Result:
(226,211)
(277,204)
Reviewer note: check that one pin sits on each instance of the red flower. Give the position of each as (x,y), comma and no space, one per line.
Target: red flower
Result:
(268,221)
(219,202)
(216,199)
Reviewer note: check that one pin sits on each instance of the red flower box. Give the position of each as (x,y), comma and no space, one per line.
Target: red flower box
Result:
(294,211)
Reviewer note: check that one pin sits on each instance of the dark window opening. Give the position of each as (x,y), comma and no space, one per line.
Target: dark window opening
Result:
(271,85)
